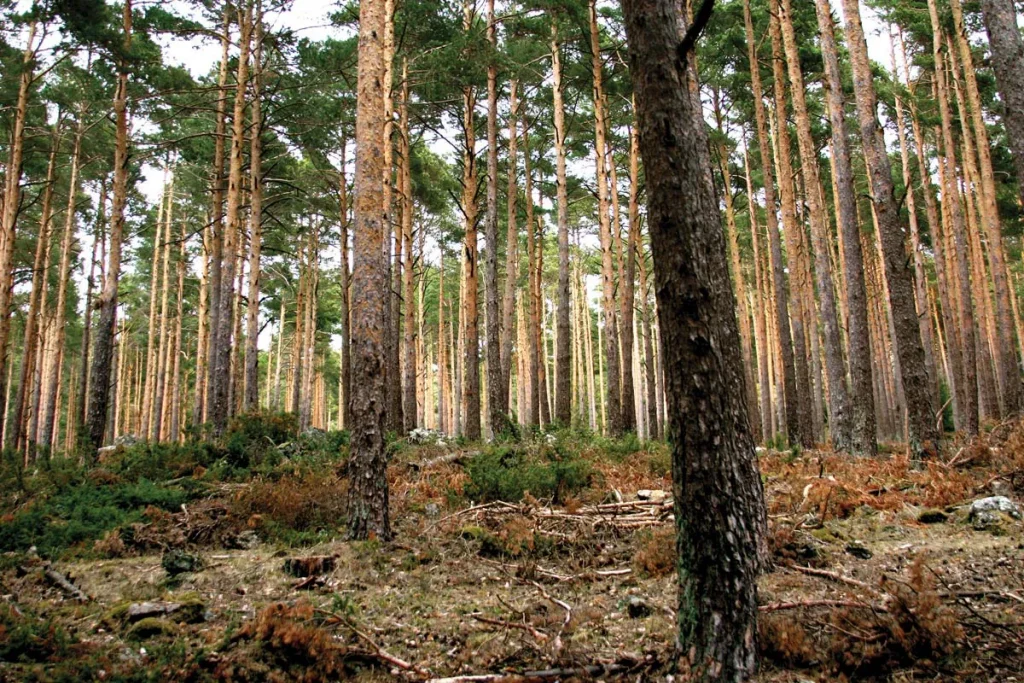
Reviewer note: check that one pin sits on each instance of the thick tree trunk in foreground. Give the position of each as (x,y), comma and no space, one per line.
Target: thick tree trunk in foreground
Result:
(922,435)
(103,346)
(368,490)
(1008,64)
(563,355)
(719,502)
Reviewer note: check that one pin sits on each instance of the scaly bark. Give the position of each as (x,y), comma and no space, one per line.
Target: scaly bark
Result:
(1008,64)
(719,501)
(838,397)
(922,435)
(367,512)
(794,420)
(251,397)
(103,346)
(563,356)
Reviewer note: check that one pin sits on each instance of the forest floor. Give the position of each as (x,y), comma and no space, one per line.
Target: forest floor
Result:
(882,572)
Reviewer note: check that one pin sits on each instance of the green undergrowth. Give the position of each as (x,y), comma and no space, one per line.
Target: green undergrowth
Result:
(61,507)
(509,471)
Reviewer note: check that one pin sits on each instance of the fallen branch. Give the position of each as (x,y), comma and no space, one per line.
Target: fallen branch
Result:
(538,635)
(64,583)
(839,578)
(537,676)
(780,606)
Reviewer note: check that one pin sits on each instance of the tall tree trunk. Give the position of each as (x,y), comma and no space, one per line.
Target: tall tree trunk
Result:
(838,397)
(103,346)
(563,355)
(951,201)
(719,503)
(11,205)
(174,416)
(609,305)
(83,367)
(409,409)
(251,399)
(346,282)
(628,304)
(51,374)
(920,275)
(160,385)
(1011,393)
(214,370)
(471,339)
(794,419)
(796,248)
(220,373)
(497,383)
(922,435)
(511,255)
(736,273)
(154,293)
(760,305)
(536,368)
(368,490)
(1008,64)
(31,337)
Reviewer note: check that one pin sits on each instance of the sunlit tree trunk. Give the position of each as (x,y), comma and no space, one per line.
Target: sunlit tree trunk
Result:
(367,513)
(951,203)
(781,312)
(51,374)
(11,205)
(922,435)
(31,338)
(251,397)
(103,346)
(838,397)
(512,256)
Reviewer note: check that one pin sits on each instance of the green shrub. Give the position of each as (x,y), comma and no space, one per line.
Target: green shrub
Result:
(79,514)
(507,472)
(253,439)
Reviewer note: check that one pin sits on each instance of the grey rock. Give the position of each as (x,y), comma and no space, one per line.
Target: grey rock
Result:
(432,509)
(994,504)
(859,551)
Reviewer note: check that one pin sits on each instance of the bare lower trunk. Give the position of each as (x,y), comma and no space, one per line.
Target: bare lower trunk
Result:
(563,356)
(219,407)
(719,508)
(1008,65)
(251,398)
(511,255)
(838,398)
(11,205)
(781,312)
(409,408)
(923,438)
(103,347)
(368,489)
